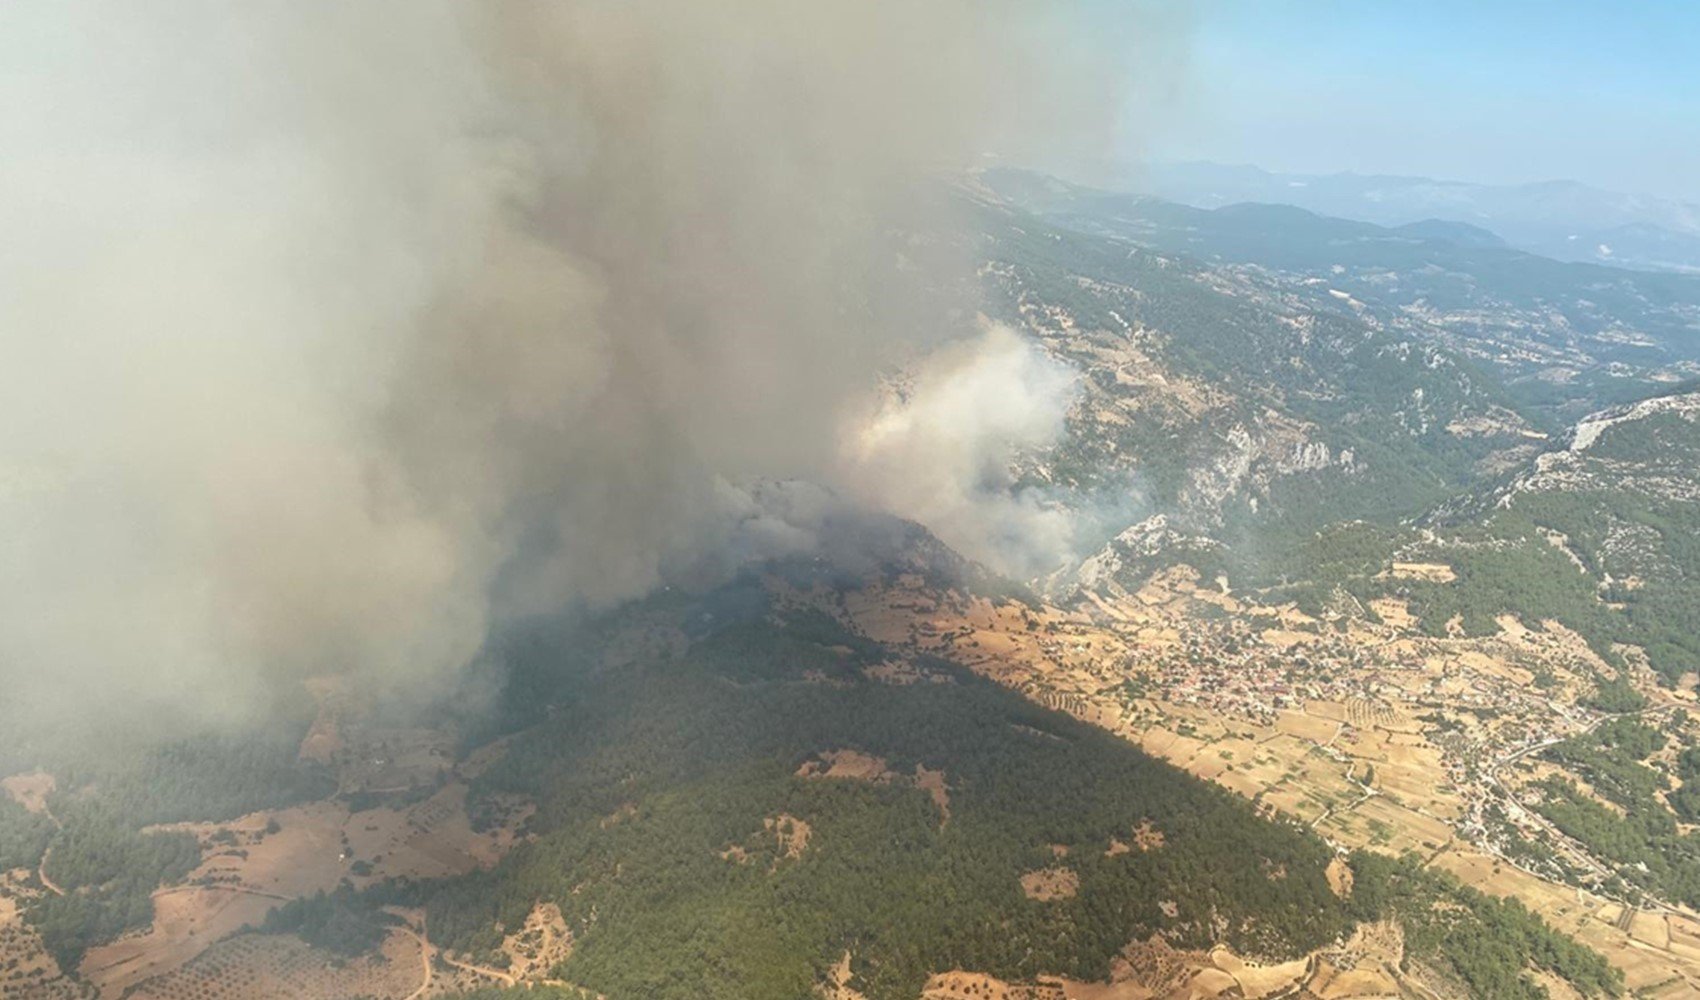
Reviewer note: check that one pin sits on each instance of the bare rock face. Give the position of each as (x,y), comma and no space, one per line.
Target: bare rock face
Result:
(1120,566)
(1648,448)
(1588,430)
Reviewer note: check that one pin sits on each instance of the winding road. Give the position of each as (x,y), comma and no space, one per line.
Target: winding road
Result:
(41,868)
(424,958)
(41,873)
(427,951)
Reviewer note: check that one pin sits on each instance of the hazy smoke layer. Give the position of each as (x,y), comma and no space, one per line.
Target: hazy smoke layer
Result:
(335,331)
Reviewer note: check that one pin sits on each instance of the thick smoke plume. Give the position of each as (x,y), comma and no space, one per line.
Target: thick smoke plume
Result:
(337,331)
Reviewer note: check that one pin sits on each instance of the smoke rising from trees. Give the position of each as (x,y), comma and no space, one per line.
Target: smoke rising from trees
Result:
(337,332)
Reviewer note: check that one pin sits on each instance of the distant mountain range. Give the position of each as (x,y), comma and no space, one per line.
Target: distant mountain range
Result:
(1564,220)
(1567,337)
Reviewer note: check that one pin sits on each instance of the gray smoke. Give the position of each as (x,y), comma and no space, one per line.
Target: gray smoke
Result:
(336,332)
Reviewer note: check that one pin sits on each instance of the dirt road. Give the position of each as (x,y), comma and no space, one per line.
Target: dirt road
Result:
(424,959)
(41,873)
(427,951)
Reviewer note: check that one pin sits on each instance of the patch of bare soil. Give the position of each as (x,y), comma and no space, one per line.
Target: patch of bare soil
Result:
(310,848)
(1428,572)
(1156,969)
(185,923)
(1145,838)
(853,765)
(626,811)
(29,790)
(1394,611)
(903,673)
(541,943)
(1127,990)
(962,985)
(837,985)
(1340,878)
(788,835)
(792,834)
(1047,884)
(933,783)
(1257,982)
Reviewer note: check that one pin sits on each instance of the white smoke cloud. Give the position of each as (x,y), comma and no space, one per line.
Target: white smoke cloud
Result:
(943,451)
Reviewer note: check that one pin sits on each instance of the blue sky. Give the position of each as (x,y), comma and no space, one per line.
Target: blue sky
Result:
(1499,90)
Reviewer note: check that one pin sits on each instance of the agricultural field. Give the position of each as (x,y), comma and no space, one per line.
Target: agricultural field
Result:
(26,967)
(1366,730)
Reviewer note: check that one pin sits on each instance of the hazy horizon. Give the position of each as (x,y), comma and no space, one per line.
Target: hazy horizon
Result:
(1504,93)
(1182,162)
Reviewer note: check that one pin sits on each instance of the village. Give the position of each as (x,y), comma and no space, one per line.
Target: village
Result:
(1362,728)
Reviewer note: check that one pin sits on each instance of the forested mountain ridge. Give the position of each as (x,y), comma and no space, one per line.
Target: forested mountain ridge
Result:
(1252,418)
(1613,515)
(1564,220)
(1225,401)
(1565,338)
(655,783)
